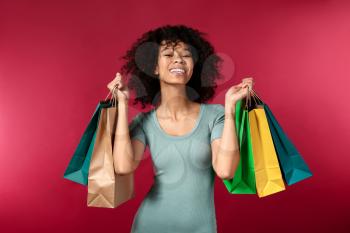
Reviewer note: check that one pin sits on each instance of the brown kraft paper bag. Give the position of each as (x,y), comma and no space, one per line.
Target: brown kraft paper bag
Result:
(106,188)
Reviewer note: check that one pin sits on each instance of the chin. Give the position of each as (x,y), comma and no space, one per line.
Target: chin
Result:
(184,76)
(172,80)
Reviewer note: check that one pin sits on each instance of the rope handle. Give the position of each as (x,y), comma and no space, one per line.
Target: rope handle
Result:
(114,96)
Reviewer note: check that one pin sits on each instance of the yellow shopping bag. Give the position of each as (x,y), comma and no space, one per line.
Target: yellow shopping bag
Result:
(267,170)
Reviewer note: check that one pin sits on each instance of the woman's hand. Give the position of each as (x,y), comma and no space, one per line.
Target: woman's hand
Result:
(236,93)
(122,90)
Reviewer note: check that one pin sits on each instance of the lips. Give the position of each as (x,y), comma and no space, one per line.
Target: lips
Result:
(177,70)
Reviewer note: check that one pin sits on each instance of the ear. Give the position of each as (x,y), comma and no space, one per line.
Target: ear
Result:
(156,71)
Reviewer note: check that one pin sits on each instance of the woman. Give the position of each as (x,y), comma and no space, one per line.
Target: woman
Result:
(174,68)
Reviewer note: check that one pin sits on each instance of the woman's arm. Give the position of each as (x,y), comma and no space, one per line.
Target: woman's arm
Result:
(226,153)
(127,153)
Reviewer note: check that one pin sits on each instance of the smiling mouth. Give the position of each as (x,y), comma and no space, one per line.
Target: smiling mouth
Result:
(177,71)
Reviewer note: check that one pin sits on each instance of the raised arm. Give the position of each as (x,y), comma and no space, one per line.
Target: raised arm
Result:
(127,153)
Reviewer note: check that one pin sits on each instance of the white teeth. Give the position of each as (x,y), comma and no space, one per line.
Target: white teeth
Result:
(177,70)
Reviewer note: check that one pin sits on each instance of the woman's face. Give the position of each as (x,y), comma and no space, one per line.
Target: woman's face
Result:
(175,64)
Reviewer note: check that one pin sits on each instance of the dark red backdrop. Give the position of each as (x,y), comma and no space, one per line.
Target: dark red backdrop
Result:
(57,57)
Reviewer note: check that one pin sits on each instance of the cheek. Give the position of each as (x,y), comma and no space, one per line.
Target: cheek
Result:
(190,66)
(163,65)
(190,73)
(190,63)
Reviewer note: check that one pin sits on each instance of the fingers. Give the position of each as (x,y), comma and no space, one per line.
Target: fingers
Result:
(248,82)
(118,76)
(245,83)
(249,79)
(242,87)
(116,82)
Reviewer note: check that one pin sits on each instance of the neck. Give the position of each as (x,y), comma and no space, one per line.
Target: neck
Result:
(174,101)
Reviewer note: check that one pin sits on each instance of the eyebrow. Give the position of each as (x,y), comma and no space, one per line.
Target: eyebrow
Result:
(165,48)
(187,49)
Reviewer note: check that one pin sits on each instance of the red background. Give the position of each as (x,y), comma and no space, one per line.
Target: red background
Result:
(56,58)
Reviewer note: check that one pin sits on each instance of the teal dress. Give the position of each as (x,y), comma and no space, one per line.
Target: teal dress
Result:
(181,199)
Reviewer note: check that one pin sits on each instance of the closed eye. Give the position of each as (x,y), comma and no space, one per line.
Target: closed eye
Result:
(169,55)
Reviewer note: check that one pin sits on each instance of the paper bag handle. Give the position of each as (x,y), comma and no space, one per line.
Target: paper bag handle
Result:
(114,96)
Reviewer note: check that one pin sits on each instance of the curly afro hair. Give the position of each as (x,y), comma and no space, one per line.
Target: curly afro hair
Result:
(141,60)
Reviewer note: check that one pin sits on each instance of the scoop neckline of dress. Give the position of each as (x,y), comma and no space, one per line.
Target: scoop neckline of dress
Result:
(199,118)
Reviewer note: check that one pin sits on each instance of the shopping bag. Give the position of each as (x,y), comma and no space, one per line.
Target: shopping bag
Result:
(243,181)
(78,167)
(105,187)
(293,166)
(268,174)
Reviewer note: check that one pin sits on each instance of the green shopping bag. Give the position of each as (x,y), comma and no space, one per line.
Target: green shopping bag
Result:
(243,181)
(78,167)
(293,166)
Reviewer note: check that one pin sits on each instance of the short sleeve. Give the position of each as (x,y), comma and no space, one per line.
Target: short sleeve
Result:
(136,129)
(218,122)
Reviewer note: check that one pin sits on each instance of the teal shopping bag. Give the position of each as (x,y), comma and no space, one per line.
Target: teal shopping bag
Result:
(243,181)
(293,166)
(78,167)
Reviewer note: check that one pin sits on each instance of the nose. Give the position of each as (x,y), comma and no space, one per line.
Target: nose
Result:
(178,58)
